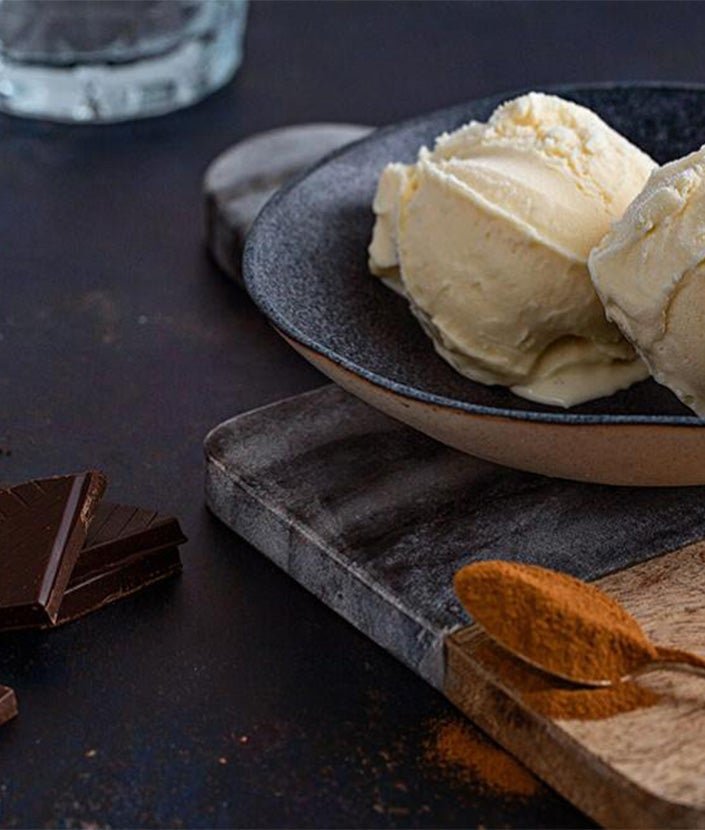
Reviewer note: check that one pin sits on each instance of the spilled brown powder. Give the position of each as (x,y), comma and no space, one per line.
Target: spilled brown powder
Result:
(461,752)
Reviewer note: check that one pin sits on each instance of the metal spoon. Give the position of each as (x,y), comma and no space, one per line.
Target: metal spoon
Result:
(519,606)
(668,659)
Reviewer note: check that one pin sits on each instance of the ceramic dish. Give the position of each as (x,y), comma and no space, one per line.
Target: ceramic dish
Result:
(305,266)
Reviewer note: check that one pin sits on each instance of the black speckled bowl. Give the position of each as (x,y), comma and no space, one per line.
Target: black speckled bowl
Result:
(305,266)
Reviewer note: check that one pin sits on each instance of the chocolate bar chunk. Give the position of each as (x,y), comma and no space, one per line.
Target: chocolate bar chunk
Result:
(127,548)
(43,526)
(8,704)
(64,554)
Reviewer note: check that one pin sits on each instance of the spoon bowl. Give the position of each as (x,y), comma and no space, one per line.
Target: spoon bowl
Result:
(562,626)
(669,660)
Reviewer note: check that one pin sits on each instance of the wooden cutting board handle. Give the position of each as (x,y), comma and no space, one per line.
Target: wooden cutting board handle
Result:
(644,768)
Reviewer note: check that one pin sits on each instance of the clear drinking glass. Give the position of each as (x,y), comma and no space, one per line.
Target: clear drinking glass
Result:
(110,60)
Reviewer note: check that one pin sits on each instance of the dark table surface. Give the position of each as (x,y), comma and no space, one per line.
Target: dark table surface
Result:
(230,697)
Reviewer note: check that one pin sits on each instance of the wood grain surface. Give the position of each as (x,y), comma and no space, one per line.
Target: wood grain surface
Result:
(637,769)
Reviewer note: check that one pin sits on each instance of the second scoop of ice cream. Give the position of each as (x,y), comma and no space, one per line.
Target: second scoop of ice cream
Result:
(650,272)
(488,236)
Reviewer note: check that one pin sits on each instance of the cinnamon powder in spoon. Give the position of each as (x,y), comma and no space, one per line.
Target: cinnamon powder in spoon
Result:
(564,626)
(559,699)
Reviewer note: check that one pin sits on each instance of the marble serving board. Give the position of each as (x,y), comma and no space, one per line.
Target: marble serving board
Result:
(374,519)
(242,178)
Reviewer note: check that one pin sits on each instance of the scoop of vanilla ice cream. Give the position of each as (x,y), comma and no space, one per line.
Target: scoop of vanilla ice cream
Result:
(649,271)
(488,236)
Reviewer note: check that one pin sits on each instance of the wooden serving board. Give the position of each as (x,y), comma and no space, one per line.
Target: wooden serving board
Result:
(374,519)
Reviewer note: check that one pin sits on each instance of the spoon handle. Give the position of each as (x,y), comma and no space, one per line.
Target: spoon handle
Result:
(672,659)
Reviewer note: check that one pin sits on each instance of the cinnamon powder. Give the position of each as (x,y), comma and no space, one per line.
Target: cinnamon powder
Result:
(558,699)
(566,626)
(459,751)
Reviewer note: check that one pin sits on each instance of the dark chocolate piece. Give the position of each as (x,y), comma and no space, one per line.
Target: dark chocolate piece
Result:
(43,527)
(8,704)
(127,549)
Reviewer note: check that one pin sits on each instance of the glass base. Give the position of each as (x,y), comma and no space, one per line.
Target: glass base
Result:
(98,92)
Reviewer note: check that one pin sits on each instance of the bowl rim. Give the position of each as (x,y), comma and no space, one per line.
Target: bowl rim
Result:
(285,326)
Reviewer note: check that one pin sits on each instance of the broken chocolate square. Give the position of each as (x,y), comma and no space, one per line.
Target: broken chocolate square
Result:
(43,526)
(64,554)
(8,704)
(127,549)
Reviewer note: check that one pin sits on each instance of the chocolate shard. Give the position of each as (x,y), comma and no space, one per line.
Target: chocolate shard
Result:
(126,550)
(8,704)
(43,527)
